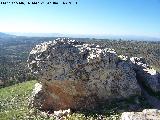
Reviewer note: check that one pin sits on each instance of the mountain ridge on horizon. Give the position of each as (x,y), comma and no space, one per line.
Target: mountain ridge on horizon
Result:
(98,36)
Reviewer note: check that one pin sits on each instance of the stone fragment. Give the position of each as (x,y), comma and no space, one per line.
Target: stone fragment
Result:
(146,114)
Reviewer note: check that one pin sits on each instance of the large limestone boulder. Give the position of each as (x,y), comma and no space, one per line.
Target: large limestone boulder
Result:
(77,75)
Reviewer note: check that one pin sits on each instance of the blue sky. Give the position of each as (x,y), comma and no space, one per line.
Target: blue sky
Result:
(115,17)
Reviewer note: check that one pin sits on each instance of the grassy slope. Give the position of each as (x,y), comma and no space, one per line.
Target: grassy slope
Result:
(14,106)
(14,101)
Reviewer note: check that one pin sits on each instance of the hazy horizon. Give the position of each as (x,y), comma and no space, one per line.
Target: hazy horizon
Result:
(90,36)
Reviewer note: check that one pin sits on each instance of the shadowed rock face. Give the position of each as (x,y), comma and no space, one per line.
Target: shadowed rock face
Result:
(77,75)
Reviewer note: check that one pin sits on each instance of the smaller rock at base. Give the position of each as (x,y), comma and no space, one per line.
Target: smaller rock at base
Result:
(146,114)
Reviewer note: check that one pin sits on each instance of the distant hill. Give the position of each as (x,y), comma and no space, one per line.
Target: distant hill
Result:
(30,34)
(96,36)
(116,37)
(4,35)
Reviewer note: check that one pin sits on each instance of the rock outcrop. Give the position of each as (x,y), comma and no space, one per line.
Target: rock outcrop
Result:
(77,75)
(146,74)
(147,114)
